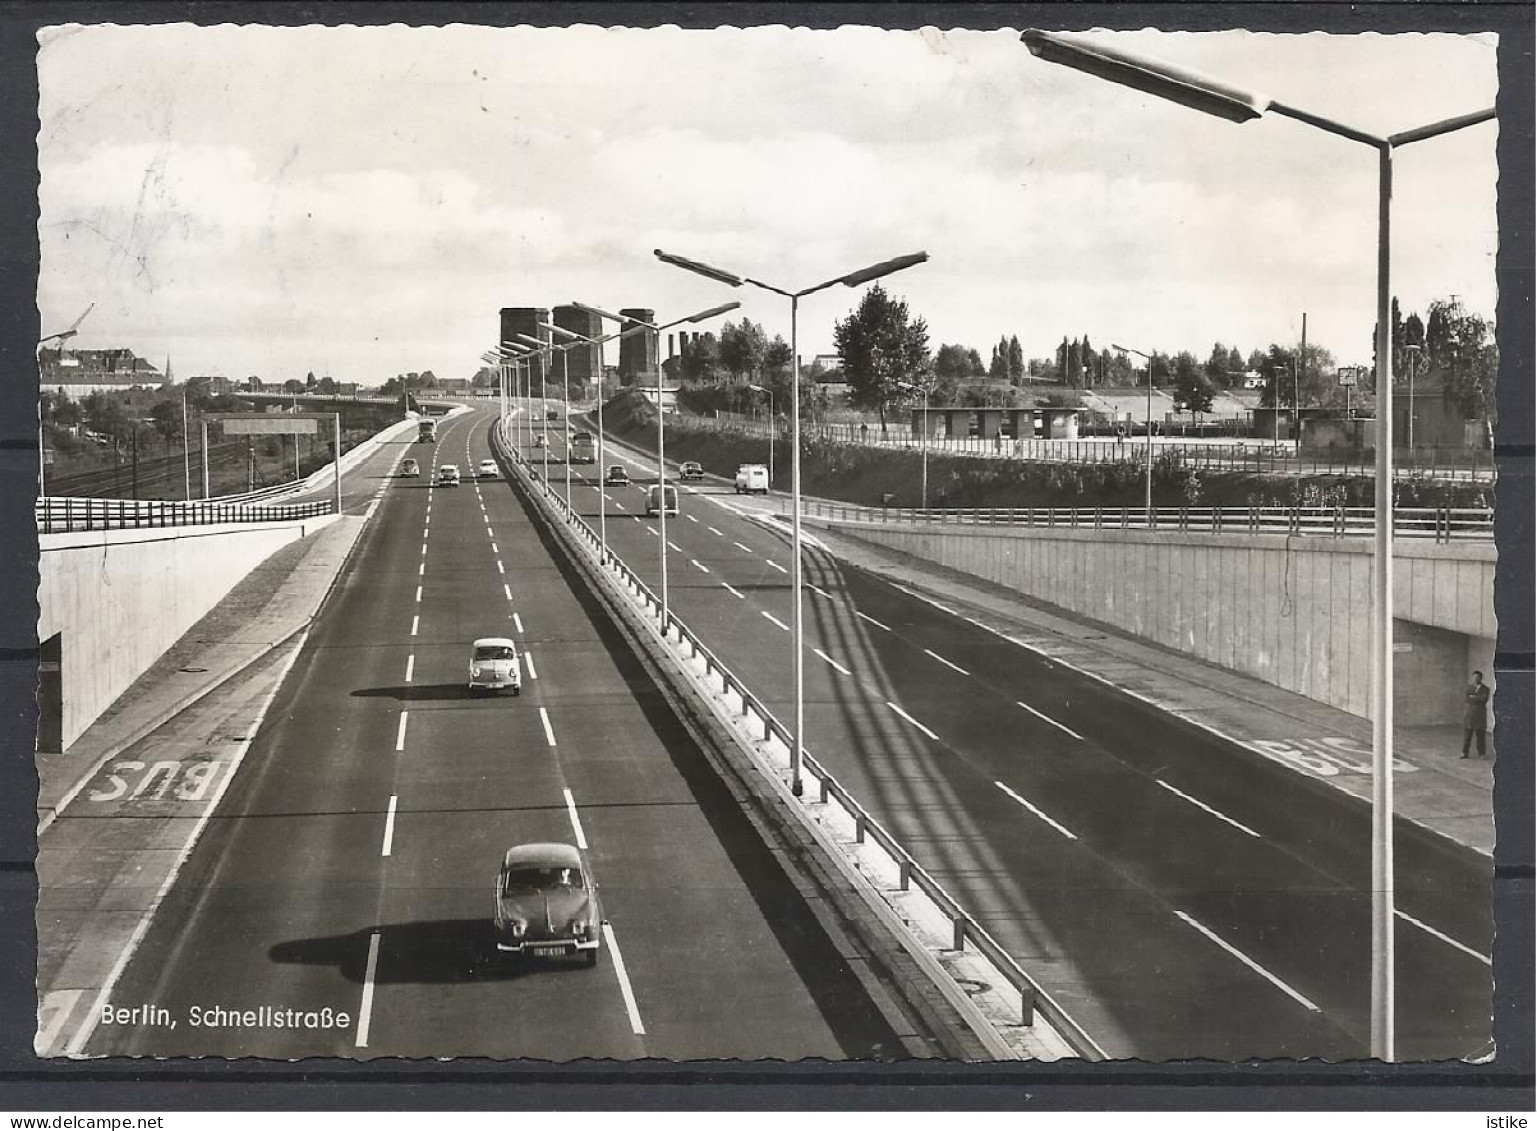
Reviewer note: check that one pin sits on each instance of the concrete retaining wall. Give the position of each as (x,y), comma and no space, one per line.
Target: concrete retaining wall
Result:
(1295,612)
(120,598)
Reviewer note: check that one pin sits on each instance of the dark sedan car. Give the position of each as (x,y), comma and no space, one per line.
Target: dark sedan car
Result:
(547,903)
(690,472)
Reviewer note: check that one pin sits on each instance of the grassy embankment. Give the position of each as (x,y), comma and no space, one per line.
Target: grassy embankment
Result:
(857,474)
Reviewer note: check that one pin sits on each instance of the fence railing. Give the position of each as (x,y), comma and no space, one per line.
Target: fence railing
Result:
(1258,456)
(966,931)
(1443,524)
(67,514)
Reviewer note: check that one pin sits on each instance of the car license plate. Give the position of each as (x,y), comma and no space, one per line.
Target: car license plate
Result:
(546,950)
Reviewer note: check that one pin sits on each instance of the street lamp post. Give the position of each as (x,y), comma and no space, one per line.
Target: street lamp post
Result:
(853,279)
(637,327)
(1148,477)
(1223,100)
(770,393)
(1414,355)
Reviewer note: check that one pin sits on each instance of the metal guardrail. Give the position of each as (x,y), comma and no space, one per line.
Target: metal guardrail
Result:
(1259,456)
(966,930)
(1443,524)
(67,514)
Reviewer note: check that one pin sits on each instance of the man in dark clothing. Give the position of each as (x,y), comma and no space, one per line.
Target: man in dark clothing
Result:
(1475,714)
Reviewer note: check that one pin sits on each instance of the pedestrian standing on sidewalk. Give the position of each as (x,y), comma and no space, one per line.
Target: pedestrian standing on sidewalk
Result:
(1475,715)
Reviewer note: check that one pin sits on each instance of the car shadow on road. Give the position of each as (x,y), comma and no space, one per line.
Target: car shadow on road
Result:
(417,692)
(423,951)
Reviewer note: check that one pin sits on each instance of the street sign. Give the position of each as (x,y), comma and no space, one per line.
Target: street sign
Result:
(1348,376)
(270,423)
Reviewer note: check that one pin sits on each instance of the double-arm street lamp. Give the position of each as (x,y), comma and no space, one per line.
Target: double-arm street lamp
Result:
(636,326)
(852,279)
(1223,100)
(549,351)
(1149,473)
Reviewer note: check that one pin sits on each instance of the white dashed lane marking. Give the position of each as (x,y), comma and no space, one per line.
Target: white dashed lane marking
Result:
(775,565)
(872,620)
(410,666)
(1250,963)
(770,616)
(744,549)
(695,563)
(1202,805)
(733,592)
(912,720)
(1052,721)
(947,663)
(832,661)
(1034,810)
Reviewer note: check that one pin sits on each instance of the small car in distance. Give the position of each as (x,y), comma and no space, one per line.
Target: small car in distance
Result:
(538,439)
(617,477)
(551,414)
(494,665)
(752,478)
(689,471)
(448,475)
(410,469)
(487,469)
(547,903)
(655,496)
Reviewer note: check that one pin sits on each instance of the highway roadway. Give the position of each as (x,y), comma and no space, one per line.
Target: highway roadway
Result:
(350,866)
(1180,896)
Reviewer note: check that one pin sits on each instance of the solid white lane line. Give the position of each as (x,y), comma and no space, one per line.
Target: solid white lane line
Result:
(715,532)
(410,666)
(416,620)
(744,549)
(517,622)
(695,563)
(912,720)
(418,594)
(389,827)
(1250,963)
(507,589)
(733,592)
(499,567)
(400,734)
(775,565)
(1034,810)
(624,982)
(1428,929)
(776,620)
(576,822)
(1202,805)
(366,1010)
(549,733)
(1052,721)
(947,663)
(873,621)
(832,661)
(528,663)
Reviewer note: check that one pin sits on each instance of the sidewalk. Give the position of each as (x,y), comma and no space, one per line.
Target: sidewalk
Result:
(1433,786)
(273,603)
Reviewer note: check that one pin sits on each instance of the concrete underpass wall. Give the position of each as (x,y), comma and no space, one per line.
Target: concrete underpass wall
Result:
(118,599)
(1295,612)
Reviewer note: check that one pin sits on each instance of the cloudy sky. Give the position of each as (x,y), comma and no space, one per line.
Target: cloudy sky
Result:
(362,201)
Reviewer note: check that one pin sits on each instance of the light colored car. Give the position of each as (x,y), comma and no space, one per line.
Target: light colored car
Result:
(410,469)
(752,478)
(448,475)
(690,471)
(617,477)
(487,469)
(654,497)
(494,665)
(547,903)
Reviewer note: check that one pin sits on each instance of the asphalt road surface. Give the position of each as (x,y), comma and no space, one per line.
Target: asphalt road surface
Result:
(351,865)
(1179,895)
